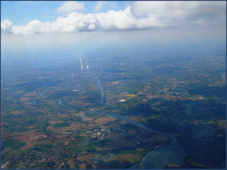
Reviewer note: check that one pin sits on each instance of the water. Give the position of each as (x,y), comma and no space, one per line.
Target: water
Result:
(155,159)
(101,92)
(63,105)
(40,94)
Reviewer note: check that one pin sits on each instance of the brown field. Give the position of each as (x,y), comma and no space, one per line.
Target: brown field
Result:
(25,99)
(30,138)
(91,125)
(83,97)
(132,158)
(58,130)
(131,132)
(18,112)
(76,102)
(71,163)
(20,92)
(103,120)
(85,159)
(63,115)
(103,148)
(76,126)
(31,94)
(133,118)
(119,141)
(61,136)
(115,123)
(54,121)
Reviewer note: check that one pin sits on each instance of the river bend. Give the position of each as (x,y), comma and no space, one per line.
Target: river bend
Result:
(155,159)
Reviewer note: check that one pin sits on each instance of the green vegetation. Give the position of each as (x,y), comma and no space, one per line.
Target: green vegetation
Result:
(13,144)
(140,109)
(129,152)
(87,148)
(42,148)
(103,143)
(38,113)
(65,124)
(173,92)
(65,166)
(90,114)
(10,129)
(128,126)
(122,150)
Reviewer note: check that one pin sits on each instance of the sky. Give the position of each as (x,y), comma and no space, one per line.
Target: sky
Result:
(29,17)
(57,23)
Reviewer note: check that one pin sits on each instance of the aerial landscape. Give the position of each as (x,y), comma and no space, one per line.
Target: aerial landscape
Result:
(113,85)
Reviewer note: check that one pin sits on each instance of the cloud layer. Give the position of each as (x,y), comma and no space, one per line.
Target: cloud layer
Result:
(140,15)
(71,6)
(181,12)
(74,22)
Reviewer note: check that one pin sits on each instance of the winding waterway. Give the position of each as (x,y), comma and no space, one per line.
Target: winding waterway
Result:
(40,94)
(155,159)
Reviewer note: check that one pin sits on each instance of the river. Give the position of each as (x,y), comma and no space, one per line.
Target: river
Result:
(40,94)
(155,159)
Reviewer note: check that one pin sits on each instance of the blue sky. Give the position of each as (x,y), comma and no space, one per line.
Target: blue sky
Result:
(32,17)
(22,12)
(57,23)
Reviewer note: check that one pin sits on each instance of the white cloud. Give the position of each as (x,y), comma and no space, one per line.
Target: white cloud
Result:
(70,6)
(6,25)
(178,12)
(75,22)
(140,15)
